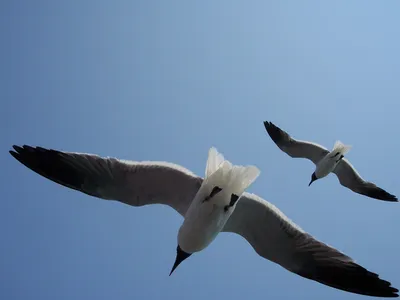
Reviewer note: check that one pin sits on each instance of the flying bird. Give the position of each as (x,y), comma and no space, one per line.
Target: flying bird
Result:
(327,162)
(217,203)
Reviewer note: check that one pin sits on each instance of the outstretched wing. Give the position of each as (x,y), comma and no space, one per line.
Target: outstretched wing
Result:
(350,178)
(295,148)
(276,238)
(133,183)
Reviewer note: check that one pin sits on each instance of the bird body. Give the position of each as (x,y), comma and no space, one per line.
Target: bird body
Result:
(327,162)
(214,202)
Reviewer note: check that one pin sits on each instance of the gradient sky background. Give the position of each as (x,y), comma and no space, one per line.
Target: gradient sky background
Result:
(166,80)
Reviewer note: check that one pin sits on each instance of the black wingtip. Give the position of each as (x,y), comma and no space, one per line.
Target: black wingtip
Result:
(268,125)
(16,153)
(381,194)
(393,198)
(276,134)
(17,148)
(50,164)
(355,279)
(13,154)
(389,197)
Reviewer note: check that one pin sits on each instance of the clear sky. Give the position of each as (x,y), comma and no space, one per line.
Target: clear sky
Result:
(166,80)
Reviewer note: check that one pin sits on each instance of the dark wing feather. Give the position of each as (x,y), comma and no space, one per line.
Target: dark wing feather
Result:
(350,178)
(133,183)
(276,238)
(295,148)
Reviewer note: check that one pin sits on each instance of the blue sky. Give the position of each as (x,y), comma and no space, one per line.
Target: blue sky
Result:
(166,80)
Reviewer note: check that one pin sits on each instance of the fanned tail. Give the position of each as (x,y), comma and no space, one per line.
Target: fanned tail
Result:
(233,178)
(340,147)
(240,178)
(215,159)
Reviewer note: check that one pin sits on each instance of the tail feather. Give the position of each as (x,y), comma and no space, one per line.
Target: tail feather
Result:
(215,159)
(241,177)
(236,179)
(342,148)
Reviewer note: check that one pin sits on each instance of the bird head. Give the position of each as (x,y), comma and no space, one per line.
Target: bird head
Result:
(313,178)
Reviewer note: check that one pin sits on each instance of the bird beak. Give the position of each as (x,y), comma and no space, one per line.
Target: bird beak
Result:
(312,180)
(175,265)
(180,257)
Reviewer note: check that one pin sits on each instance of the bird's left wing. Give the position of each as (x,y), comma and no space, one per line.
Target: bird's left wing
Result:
(276,238)
(350,178)
(133,183)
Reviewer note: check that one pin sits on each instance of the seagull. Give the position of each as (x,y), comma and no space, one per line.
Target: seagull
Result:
(326,162)
(217,203)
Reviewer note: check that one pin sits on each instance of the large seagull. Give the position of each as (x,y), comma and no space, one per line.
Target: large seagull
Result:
(210,205)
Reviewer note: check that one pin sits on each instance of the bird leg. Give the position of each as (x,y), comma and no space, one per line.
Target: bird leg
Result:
(336,155)
(214,191)
(340,158)
(234,199)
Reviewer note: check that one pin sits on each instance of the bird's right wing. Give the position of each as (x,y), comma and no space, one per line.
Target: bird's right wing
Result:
(133,183)
(276,238)
(295,148)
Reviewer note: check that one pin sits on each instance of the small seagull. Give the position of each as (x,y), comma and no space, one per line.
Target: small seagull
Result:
(326,162)
(210,205)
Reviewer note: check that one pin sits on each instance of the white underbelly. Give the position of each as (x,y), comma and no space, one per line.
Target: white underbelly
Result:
(325,166)
(202,227)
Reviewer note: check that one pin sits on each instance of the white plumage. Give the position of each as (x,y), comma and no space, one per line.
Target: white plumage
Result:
(206,216)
